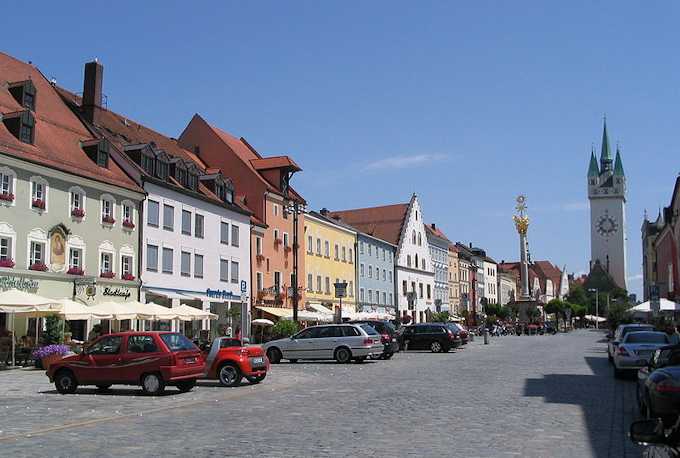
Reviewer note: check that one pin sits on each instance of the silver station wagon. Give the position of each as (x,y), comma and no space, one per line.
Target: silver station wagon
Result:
(341,342)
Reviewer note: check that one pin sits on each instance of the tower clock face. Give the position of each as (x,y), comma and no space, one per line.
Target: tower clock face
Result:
(607,225)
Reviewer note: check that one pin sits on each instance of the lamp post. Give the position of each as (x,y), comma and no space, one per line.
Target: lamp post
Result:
(296,209)
(597,306)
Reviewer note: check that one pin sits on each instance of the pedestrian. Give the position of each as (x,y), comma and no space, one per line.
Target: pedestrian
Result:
(674,337)
(94,333)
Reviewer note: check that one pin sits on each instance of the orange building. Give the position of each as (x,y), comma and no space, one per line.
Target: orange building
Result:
(263,186)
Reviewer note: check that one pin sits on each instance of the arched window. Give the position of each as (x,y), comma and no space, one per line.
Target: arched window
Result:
(77,199)
(414,237)
(417,264)
(420,240)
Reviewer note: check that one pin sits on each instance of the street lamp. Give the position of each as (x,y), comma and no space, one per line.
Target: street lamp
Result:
(597,306)
(296,208)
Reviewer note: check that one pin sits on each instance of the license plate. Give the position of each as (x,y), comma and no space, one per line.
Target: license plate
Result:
(258,360)
(641,362)
(191,360)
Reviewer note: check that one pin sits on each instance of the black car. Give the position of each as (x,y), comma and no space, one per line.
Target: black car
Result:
(661,394)
(388,335)
(437,337)
(660,441)
(664,356)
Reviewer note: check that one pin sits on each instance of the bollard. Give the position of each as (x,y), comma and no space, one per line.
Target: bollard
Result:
(486,337)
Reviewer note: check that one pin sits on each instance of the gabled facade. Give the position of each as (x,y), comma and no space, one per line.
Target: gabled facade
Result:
(263,184)
(402,225)
(375,273)
(69,214)
(195,234)
(454,279)
(438,244)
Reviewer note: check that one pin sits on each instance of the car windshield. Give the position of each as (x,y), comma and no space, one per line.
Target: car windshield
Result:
(177,342)
(646,337)
(369,329)
(628,329)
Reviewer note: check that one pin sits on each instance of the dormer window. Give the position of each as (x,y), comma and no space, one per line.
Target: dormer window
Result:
(21,124)
(192,181)
(24,93)
(98,151)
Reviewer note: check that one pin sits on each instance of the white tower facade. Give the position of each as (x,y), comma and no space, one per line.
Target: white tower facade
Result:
(607,196)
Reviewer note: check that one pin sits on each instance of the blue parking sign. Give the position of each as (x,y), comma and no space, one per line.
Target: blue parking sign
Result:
(244,286)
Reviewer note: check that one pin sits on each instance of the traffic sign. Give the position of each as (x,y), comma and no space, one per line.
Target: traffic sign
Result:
(244,286)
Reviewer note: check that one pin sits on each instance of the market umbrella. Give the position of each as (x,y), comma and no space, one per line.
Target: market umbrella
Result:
(14,301)
(262,322)
(72,310)
(189,313)
(121,311)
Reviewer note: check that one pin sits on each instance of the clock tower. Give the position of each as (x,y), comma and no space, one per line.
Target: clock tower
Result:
(607,196)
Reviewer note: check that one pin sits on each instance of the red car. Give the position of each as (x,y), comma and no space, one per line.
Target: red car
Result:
(228,360)
(150,359)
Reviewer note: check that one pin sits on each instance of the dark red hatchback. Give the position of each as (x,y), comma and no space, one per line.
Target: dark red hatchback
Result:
(149,359)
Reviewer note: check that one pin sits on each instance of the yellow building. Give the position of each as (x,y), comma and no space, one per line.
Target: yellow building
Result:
(329,258)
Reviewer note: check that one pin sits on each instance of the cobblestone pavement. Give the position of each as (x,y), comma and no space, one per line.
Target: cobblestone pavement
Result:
(545,396)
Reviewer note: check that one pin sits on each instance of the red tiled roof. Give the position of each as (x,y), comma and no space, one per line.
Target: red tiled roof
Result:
(436,232)
(58,131)
(381,222)
(274,163)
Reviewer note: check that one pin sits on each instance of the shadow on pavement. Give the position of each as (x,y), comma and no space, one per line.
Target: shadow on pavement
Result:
(169,391)
(606,404)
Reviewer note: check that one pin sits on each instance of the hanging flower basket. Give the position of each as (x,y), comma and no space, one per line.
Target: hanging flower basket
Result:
(38,203)
(107,275)
(7,197)
(108,219)
(39,266)
(128,224)
(50,354)
(6,263)
(78,213)
(128,277)
(75,271)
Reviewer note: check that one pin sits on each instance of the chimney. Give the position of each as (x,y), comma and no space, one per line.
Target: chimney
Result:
(324,211)
(433,226)
(92,89)
(470,244)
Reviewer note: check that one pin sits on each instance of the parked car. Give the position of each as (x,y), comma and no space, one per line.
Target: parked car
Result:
(620,333)
(342,342)
(636,349)
(436,337)
(664,356)
(229,360)
(463,333)
(150,359)
(388,336)
(660,442)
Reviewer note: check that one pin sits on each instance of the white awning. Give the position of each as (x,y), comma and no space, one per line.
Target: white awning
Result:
(319,308)
(168,294)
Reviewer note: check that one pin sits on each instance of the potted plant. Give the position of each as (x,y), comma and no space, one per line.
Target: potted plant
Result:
(108,219)
(107,275)
(259,258)
(39,266)
(128,277)
(6,263)
(7,197)
(75,271)
(278,242)
(38,203)
(49,354)
(128,224)
(78,213)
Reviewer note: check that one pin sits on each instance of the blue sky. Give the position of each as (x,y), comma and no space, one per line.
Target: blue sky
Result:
(467,104)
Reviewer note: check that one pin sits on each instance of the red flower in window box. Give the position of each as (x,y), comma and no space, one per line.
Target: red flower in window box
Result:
(7,197)
(107,274)
(128,224)
(39,266)
(38,203)
(278,241)
(288,248)
(107,219)
(75,271)
(6,263)
(260,258)
(78,212)
(128,277)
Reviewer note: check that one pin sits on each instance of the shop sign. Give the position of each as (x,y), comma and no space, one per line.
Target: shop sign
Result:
(117,292)
(221,294)
(23,284)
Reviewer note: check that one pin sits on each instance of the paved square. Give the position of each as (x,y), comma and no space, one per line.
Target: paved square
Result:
(545,396)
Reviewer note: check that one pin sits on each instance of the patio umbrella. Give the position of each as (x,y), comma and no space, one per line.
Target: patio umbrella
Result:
(72,310)
(189,313)
(14,301)
(262,322)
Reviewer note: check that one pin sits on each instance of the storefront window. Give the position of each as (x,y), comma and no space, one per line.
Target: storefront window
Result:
(37,253)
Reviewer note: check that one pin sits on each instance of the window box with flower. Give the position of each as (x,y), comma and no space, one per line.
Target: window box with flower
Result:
(107,275)
(78,213)
(259,258)
(127,224)
(7,197)
(75,271)
(128,277)
(39,266)
(108,219)
(38,203)
(6,263)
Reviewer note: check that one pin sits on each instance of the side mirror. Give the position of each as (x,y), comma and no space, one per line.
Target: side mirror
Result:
(647,432)
(616,342)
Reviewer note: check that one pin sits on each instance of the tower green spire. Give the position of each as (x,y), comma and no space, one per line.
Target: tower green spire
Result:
(593,171)
(605,153)
(618,164)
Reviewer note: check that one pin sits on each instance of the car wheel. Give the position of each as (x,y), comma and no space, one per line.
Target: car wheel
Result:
(229,375)
(343,355)
(65,382)
(186,385)
(274,355)
(436,347)
(104,387)
(153,384)
(257,379)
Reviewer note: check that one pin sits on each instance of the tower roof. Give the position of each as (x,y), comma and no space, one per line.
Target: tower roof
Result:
(605,152)
(618,164)
(593,170)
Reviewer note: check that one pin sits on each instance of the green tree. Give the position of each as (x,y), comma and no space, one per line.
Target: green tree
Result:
(285,328)
(555,307)
(54,330)
(439,317)
(617,314)
(577,295)
(491,309)
(504,312)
